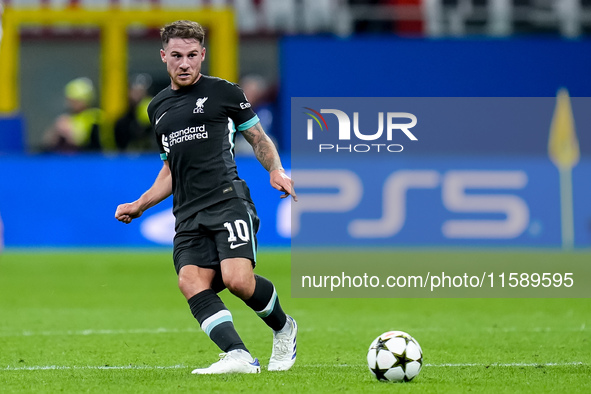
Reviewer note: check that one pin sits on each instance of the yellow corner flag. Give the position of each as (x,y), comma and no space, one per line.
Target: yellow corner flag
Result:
(563,146)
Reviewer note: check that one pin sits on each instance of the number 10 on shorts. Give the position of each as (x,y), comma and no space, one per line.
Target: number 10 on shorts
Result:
(238,228)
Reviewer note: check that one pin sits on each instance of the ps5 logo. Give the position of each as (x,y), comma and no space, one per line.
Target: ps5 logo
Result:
(391,119)
(480,204)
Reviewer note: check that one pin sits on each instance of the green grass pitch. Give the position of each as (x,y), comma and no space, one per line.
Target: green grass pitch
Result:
(114,321)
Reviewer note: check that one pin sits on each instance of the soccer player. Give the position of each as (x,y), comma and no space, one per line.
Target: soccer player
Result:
(195,120)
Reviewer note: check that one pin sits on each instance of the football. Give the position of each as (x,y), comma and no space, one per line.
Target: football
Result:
(395,356)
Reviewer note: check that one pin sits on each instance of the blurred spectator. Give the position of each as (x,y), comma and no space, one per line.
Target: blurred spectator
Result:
(366,21)
(262,98)
(133,131)
(81,127)
(279,15)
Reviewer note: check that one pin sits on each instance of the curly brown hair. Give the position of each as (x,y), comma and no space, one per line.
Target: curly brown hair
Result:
(182,29)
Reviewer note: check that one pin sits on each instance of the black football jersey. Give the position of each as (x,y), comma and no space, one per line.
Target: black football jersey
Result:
(195,128)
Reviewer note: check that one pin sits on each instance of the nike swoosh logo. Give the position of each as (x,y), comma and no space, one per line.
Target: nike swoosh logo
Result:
(234,246)
(158,120)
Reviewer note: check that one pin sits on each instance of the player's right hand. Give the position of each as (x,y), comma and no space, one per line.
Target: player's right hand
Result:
(127,212)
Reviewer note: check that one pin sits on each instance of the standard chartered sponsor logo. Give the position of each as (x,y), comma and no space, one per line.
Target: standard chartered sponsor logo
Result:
(187,134)
(165,144)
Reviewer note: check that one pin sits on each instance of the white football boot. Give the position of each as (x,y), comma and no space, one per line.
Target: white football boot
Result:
(235,361)
(284,347)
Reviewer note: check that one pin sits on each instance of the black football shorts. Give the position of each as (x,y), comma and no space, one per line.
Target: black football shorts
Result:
(224,230)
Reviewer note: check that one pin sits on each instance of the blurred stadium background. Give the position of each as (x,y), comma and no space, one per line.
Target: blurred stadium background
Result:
(305,48)
(489,193)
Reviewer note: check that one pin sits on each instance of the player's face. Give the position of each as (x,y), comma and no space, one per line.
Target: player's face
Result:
(183,58)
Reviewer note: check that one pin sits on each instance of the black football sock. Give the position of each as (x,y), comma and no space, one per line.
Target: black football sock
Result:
(215,320)
(265,303)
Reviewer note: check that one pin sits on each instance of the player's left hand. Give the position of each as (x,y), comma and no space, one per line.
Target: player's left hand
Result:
(283,183)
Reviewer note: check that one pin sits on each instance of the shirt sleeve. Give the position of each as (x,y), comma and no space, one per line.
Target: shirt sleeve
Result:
(160,140)
(240,109)
(162,145)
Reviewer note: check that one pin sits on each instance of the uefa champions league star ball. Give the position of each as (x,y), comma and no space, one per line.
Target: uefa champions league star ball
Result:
(395,356)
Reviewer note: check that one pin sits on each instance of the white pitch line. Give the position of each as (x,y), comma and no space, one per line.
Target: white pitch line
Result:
(180,366)
(160,330)
(88,367)
(582,328)
(507,364)
(163,330)
(455,365)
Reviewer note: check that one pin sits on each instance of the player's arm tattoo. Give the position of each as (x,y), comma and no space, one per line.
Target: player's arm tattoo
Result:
(264,149)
